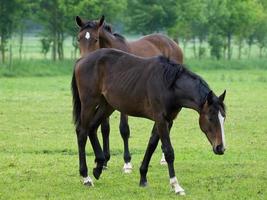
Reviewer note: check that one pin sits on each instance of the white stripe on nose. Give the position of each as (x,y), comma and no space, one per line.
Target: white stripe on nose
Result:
(221,119)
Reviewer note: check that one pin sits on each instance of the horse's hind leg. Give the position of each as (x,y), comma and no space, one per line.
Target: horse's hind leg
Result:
(88,107)
(81,139)
(163,131)
(105,130)
(152,145)
(125,134)
(103,111)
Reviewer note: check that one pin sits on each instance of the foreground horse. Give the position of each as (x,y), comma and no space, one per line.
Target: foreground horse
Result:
(96,34)
(154,88)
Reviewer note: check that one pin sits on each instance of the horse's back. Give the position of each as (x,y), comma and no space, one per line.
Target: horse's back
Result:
(157,44)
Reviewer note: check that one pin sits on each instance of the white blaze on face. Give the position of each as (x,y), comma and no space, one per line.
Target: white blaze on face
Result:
(221,119)
(87,35)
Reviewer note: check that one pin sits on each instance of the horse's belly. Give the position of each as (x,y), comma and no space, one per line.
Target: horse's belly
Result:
(127,105)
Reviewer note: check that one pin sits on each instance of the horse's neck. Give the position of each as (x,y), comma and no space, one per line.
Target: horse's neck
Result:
(192,93)
(108,40)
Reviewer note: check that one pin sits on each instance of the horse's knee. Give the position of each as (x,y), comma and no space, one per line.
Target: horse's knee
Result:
(105,128)
(124,130)
(169,154)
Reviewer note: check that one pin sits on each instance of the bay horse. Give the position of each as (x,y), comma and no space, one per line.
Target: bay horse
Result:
(97,34)
(155,88)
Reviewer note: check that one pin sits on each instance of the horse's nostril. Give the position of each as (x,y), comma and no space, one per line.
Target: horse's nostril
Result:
(220,149)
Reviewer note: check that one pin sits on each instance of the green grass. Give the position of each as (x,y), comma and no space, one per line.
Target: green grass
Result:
(38,151)
(36,67)
(45,67)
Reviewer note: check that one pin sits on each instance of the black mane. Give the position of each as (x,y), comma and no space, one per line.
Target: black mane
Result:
(171,71)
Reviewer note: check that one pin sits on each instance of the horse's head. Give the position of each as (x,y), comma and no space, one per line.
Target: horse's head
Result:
(211,121)
(88,36)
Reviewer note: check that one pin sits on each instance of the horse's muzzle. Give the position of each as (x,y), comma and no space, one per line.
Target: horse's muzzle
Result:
(219,149)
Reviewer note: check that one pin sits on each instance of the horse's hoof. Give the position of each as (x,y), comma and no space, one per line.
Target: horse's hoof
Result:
(127,168)
(97,172)
(182,193)
(143,184)
(176,187)
(88,182)
(105,167)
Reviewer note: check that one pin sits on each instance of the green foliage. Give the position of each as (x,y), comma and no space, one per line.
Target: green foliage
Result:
(216,43)
(8,13)
(149,16)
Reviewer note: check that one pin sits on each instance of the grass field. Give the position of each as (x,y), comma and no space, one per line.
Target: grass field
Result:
(38,151)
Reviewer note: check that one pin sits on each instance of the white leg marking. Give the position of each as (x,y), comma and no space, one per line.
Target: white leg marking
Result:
(127,168)
(176,187)
(221,119)
(88,181)
(163,160)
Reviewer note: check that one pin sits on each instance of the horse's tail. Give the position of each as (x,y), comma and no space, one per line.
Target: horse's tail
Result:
(75,101)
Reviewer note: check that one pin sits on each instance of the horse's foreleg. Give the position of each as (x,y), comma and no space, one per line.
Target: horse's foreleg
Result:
(125,134)
(163,131)
(163,160)
(105,130)
(152,145)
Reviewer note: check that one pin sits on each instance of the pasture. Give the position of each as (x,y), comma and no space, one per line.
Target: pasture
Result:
(38,150)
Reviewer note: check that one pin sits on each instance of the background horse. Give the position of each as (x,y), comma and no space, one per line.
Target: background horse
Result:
(96,34)
(153,88)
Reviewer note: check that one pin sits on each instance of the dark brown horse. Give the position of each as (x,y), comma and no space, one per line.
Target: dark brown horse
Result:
(96,34)
(153,88)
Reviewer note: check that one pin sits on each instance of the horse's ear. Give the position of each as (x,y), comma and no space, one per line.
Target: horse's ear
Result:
(101,21)
(210,98)
(222,96)
(79,21)
(108,28)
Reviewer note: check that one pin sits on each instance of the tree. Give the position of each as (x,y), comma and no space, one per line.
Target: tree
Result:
(233,18)
(147,16)
(7,13)
(51,16)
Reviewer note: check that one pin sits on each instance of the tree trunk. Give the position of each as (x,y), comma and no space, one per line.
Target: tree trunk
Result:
(261,48)
(185,45)
(2,49)
(229,40)
(194,47)
(21,42)
(239,48)
(74,44)
(200,49)
(10,56)
(54,48)
(249,50)
(59,46)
